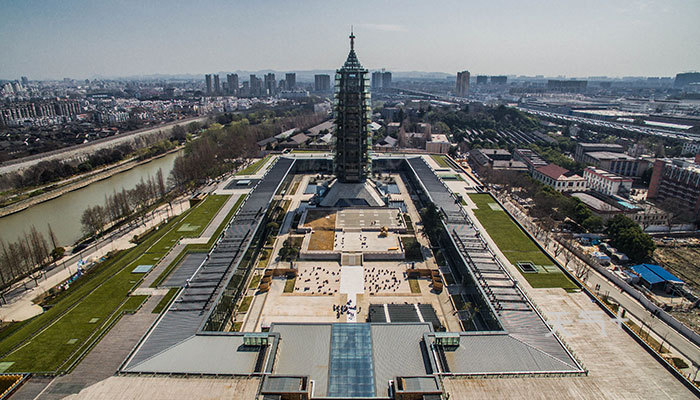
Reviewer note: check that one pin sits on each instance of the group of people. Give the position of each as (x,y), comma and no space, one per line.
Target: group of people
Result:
(318,280)
(382,280)
(347,308)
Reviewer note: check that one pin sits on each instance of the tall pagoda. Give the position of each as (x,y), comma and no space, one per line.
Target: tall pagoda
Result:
(352,110)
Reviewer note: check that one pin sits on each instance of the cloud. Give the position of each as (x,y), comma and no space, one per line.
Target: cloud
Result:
(384,27)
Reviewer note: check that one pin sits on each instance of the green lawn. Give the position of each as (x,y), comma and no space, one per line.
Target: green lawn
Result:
(441,160)
(254,167)
(72,323)
(254,282)
(245,304)
(289,285)
(415,286)
(515,244)
(163,303)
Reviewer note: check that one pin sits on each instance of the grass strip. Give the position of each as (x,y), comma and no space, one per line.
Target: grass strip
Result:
(415,286)
(165,301)
(515,244)
(254,282)
(440,160)
(289,285)
(245,304)
(254,167)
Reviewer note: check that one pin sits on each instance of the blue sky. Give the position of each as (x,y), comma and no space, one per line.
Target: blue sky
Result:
(79,39)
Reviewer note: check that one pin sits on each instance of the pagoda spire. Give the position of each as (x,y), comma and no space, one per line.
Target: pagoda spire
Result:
(352,39)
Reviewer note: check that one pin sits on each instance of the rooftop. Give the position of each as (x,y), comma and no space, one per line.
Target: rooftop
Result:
(552,170)
(605,174)
(609,155)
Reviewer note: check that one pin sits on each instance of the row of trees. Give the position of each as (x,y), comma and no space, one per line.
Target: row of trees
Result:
(220,148)
(22,257)
(550,206)
(120,205)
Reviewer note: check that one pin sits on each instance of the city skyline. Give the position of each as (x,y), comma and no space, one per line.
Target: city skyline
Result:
(83,40)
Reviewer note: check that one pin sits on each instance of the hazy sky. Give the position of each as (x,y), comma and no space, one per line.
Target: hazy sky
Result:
(79,39)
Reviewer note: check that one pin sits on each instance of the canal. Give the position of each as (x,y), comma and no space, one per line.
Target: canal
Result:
(64,212)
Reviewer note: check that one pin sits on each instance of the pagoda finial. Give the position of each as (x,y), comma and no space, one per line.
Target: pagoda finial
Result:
(352,39)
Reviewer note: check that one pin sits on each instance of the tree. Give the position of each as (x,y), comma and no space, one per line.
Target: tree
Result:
(178,133)
(93,220)
(593,224)
(628,237)
(288,252)
(431,218)
(193,127)
(57,253)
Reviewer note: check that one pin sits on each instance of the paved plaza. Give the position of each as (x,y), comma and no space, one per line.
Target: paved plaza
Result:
(369,218)
(366,241)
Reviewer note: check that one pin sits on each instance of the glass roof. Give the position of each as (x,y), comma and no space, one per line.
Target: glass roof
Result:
(351,371)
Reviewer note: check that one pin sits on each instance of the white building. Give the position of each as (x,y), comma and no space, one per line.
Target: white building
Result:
(559,178)
(606,182)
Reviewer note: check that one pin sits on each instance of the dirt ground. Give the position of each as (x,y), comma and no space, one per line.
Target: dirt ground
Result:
(321,219)
(682,262)
(323,224)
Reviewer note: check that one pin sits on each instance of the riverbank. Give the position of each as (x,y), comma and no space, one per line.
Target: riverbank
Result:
(79,150)
(78,182)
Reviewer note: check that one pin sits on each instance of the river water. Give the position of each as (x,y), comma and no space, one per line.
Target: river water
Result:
(64,212)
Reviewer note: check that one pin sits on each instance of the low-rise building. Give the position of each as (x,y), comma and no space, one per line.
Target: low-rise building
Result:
(530,158)
(561,179)
(691,147)
(606,182)
(617,163)
(583,148)
(393,127)
(438,144)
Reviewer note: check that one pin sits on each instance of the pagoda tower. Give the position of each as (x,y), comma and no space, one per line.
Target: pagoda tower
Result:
(352,110)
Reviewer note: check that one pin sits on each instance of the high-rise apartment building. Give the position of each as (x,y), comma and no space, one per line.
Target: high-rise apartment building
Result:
(376,80)
(322,83)
(352,109)
(482,79)
(232,80)
(270,84)
(256,86)
(207,78)
(217,84)
(381,80)
(386,80)
(291,80)
(462,84)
